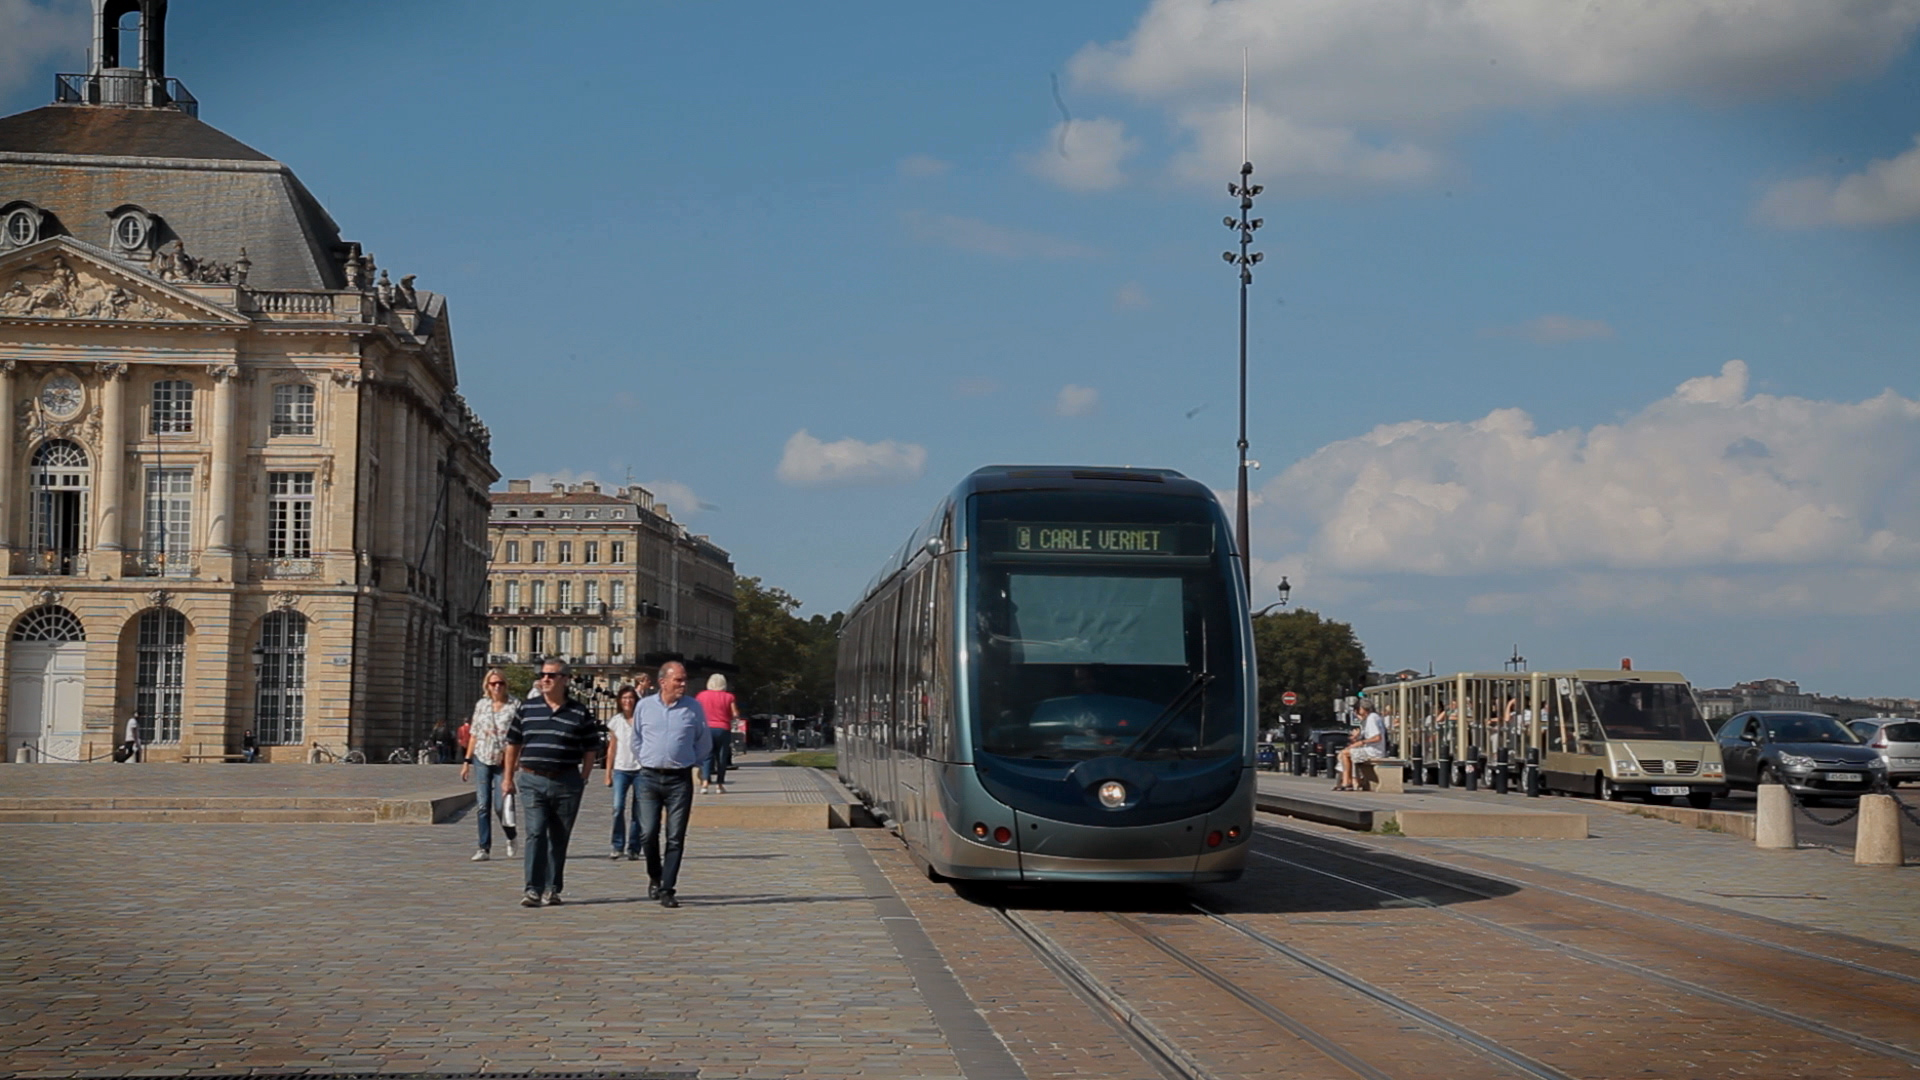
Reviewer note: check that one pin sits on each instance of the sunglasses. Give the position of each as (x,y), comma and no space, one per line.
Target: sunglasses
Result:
(553,675)
(496,682)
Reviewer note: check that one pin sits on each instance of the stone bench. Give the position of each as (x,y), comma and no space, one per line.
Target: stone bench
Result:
(1386,776)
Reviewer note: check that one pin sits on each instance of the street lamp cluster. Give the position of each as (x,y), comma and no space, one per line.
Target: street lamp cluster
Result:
(1245,190)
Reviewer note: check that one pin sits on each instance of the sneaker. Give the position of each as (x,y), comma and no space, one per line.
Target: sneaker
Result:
(509,849)
(633,856)
(480,856)
(553,900)
(667,900)
(532,899)
(616,855)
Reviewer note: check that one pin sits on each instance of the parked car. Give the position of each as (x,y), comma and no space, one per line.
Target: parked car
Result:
(1813,754)
(1897,740)
(1266,755)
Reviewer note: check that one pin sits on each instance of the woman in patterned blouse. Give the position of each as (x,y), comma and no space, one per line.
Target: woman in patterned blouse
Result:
(486,758)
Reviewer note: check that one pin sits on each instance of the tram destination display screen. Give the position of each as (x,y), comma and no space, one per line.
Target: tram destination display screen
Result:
(1070,538)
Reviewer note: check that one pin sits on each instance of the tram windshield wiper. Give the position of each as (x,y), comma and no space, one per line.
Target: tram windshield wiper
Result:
(1186,697)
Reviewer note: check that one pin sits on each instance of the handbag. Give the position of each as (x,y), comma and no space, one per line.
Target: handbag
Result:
(509,811)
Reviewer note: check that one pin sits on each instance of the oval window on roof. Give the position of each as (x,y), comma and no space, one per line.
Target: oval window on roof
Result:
(22,227)
(130,231)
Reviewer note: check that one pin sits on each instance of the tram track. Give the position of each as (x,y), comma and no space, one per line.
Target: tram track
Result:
(1897,1018)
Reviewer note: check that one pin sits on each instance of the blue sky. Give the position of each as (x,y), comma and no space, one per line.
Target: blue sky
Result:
(1587,329)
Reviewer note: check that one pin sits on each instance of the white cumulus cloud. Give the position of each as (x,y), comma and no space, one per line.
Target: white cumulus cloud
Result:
(1710,477)
(1369,90)
(1076,400)
(35,35)
(1886,192)
(810,463)
(1084,155)
(681,501)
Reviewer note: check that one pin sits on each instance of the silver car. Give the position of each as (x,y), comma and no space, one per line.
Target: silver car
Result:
(1897,740)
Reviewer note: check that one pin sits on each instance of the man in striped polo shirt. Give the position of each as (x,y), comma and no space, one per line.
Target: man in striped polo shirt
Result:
(551,749)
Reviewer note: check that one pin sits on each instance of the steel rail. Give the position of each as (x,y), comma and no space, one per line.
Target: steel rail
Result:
(1863,1042)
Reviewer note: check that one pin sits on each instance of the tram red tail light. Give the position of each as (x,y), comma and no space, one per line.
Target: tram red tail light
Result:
(1002,834)
(1214,838)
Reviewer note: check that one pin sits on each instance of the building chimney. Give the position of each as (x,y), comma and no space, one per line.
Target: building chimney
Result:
(519,487)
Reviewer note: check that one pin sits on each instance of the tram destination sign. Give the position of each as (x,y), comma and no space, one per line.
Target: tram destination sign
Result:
(1084,538)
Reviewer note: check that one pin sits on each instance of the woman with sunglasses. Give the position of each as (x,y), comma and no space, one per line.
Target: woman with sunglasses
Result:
(486,758)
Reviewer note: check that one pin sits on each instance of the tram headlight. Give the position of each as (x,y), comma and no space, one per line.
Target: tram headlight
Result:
(1113,794)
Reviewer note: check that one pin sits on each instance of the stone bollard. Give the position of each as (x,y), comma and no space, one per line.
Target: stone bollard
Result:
(1773,825)
(1876,836)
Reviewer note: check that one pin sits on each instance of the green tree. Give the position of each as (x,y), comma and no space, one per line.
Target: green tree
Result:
(1319,659)
(786,662)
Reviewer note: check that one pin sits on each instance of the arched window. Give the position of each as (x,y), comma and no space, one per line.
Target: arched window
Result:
(49,624)
(160,674)
(281,704)
(62,479)
(172,406)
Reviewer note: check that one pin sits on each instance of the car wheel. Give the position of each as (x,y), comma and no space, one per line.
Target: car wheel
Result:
(1700,800)
(1610,791)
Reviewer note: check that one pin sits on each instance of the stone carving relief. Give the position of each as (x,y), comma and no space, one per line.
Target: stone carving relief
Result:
(44,597)
(174,264)
(284,601)
(160,598)
(347,378)
(58,291)
(35,421)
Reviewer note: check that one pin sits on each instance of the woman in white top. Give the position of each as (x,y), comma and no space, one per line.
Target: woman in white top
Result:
(486,758)
(623,775)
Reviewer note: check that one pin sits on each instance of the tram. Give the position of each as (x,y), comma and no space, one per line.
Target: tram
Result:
(1053,681)
(1592,731)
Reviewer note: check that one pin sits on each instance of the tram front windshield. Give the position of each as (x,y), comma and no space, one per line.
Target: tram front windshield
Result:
(1102,625)
(1648,711)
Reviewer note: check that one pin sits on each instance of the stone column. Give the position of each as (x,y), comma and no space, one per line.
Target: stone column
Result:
(112,527)
(9,483)
(220,485)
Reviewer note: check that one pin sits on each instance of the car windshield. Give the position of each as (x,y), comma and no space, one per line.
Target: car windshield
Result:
(1808,728)
(1097,618)
(1648,711)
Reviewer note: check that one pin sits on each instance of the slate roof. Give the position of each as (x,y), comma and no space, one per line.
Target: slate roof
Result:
(209,190)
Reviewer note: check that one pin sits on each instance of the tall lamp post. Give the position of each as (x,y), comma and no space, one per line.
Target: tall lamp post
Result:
(1245,190)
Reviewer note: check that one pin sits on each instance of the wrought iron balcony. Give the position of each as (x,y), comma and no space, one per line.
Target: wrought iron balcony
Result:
(175,564)
(291,569)
(51,563)
(124,87)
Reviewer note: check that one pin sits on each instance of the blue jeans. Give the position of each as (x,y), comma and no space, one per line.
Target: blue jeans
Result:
(626,830)
(670,791)
(486,802)
(721,759)
(548,806)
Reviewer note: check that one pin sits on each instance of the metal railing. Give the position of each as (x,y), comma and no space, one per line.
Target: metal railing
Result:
(175,564)
(47,563)
(123,88)
(289,569)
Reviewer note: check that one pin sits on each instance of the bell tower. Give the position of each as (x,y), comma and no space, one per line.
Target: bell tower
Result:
(130,55)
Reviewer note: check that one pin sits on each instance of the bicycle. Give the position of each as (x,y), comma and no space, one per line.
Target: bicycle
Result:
(325,755)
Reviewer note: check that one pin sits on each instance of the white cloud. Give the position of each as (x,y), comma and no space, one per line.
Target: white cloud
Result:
(1367,90)
(681,502)
(34,35)
(1555,330)
(544,481)
(921,166)
(987,238)
(1076,400)
(810,463)
(1084,155)
(1131,297)
(1708,479)
(1887,192)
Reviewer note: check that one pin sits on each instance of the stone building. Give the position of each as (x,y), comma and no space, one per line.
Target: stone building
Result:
(238,487)
(609,581)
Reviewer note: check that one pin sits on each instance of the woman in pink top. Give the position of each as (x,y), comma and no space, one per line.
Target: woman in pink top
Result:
(721,710)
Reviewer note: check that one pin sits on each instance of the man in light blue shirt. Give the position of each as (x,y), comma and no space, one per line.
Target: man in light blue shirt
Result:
(670,738)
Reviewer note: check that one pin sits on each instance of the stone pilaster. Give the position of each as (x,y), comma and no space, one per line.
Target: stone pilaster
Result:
(219,560)
(111,530)
(9,483)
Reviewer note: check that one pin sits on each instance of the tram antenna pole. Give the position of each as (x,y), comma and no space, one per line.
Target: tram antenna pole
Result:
(1245,190)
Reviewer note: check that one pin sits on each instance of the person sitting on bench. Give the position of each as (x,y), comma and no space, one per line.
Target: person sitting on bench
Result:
(1370,743)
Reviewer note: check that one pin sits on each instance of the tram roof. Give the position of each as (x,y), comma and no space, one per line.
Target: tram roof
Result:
(1079,477)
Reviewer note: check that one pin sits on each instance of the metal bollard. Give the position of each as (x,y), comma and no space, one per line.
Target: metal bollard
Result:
(1532,778)
(1316,763)
(1773,824)
(1876,833)
(1473,768)
(1446,771)
(1500,771)
(1418,772)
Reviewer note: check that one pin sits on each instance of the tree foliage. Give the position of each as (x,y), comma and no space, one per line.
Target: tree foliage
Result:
(786,662)
(1319,659)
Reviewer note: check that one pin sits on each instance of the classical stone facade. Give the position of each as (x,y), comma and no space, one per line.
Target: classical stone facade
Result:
(608,580)
(238,487)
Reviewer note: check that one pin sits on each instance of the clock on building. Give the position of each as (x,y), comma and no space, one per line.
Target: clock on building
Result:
(61,397)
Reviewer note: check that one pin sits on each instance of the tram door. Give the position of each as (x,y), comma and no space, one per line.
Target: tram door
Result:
(48,682)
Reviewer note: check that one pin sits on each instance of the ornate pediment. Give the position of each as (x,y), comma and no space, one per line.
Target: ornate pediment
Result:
(65,280)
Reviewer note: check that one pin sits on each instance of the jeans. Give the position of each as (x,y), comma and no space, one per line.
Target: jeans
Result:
(672,792)
(626,830)
(486,802)
(548,806)
(721,759)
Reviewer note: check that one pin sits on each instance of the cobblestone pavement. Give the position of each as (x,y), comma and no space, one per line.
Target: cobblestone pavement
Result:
(154,949)
(152,779)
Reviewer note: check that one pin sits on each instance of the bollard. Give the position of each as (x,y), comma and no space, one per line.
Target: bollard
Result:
(1500,771)
(1418,772)
(1773,824)
(1533,772)
(24,755)
(1876,832)
(1316,762)
(1446,771)
(1472,768)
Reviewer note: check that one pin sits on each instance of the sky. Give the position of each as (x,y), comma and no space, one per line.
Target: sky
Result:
(1584,330)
